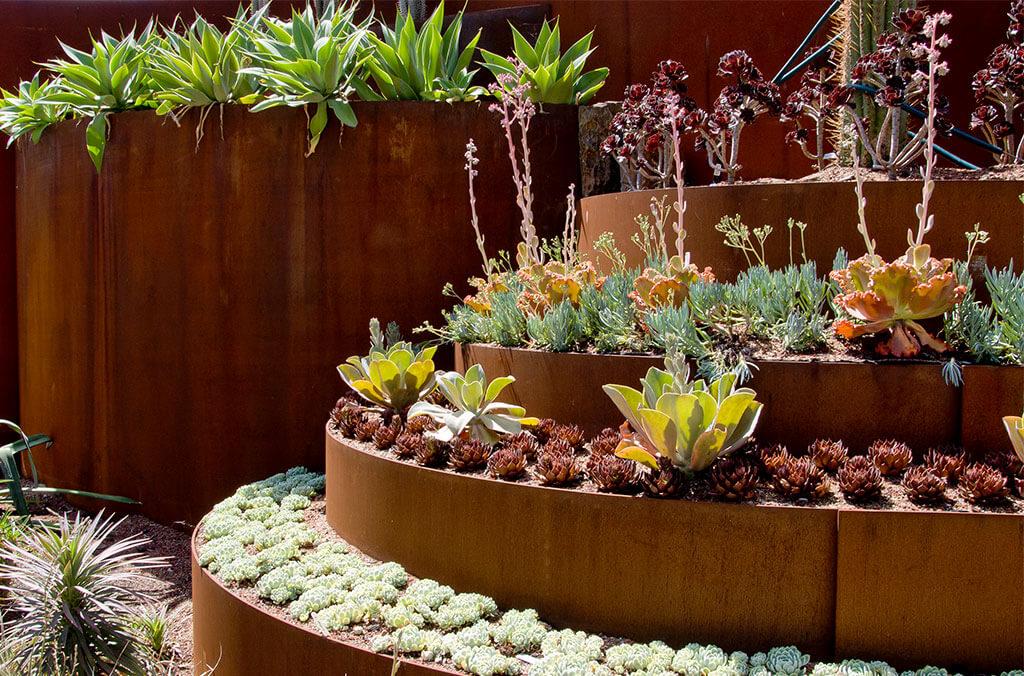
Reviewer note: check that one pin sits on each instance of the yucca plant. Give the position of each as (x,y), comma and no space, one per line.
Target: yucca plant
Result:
(72,598)
(552,77)
(311,59)
(28,110)
(110,77)
(201,66)
(475,411)
(424,64)
(691,423)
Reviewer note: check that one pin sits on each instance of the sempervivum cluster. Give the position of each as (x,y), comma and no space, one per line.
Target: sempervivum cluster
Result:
(507,463)
(734,478)
(948,462)
(981,484)
(612,474)
(828,455)
(557,465)
(772,458)
(570,434)
(525,443)
(386,435)
(999,88)
(347,414)
(467,455)
(800,478)
(366,428)
(605,442)
(890,456)
(924,487)
(640,132)
(860,480)
(668,481)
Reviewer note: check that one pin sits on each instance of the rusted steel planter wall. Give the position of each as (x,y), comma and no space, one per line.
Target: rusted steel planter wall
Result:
(187,297)
(233,637)
(739,576)
(857,402)
(911,588)
(829,209)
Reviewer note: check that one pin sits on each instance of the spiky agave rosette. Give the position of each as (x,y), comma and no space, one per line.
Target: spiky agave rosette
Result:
(896,296)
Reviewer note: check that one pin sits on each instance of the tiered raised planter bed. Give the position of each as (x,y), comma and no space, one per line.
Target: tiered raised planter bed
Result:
(804,399)
(188,293)
(829,209)
(907,587)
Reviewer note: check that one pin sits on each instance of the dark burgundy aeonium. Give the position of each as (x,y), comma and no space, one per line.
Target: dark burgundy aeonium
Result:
(999,89)
(898,70)
(814,104)
(640,135)
(746,98)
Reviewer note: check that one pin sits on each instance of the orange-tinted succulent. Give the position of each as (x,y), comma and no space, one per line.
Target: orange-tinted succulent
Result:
(895,296)
(481,300)
(653,289)
(549,284)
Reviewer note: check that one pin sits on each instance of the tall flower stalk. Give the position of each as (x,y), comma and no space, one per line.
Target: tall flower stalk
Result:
(471,172)
(517,111)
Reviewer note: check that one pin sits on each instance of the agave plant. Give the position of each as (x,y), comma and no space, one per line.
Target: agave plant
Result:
(28,110)
(390,377)
(73,595)
(110,77)
(311,59)
(424,64)
(476,412)
(552,77)
(201,66)
(689,422)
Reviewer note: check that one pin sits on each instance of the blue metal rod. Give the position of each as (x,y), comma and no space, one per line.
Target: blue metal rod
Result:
(918,113)
(803,45)
(779,79)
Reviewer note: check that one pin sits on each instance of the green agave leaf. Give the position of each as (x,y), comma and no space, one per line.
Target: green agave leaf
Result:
(96,139)
(497,385)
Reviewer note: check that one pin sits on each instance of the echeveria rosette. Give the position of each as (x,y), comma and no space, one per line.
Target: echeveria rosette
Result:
(896,296)
(475,412)
(691,424)
(393,379)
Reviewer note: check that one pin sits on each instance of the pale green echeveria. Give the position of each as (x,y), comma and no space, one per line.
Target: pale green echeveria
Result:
(394,378)
(692,423)
(476,412)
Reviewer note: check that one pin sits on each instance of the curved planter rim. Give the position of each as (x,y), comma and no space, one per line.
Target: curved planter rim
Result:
(286,624)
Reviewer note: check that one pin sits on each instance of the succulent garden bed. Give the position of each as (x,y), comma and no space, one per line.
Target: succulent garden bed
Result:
(267,565)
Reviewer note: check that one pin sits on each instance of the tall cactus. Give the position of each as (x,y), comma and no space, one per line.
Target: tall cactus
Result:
(859,23)
(414,9)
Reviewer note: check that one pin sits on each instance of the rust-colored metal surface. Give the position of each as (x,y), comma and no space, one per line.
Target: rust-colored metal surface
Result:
(233,637)
(858,402)
(189,296)
(931,588)
(739,576)
(829,210)
(989,393)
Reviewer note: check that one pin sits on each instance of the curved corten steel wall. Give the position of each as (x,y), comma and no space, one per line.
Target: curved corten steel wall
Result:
(858,402)
(233,637)
(186,296)
(911,588)
(739,576)
(829,209)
